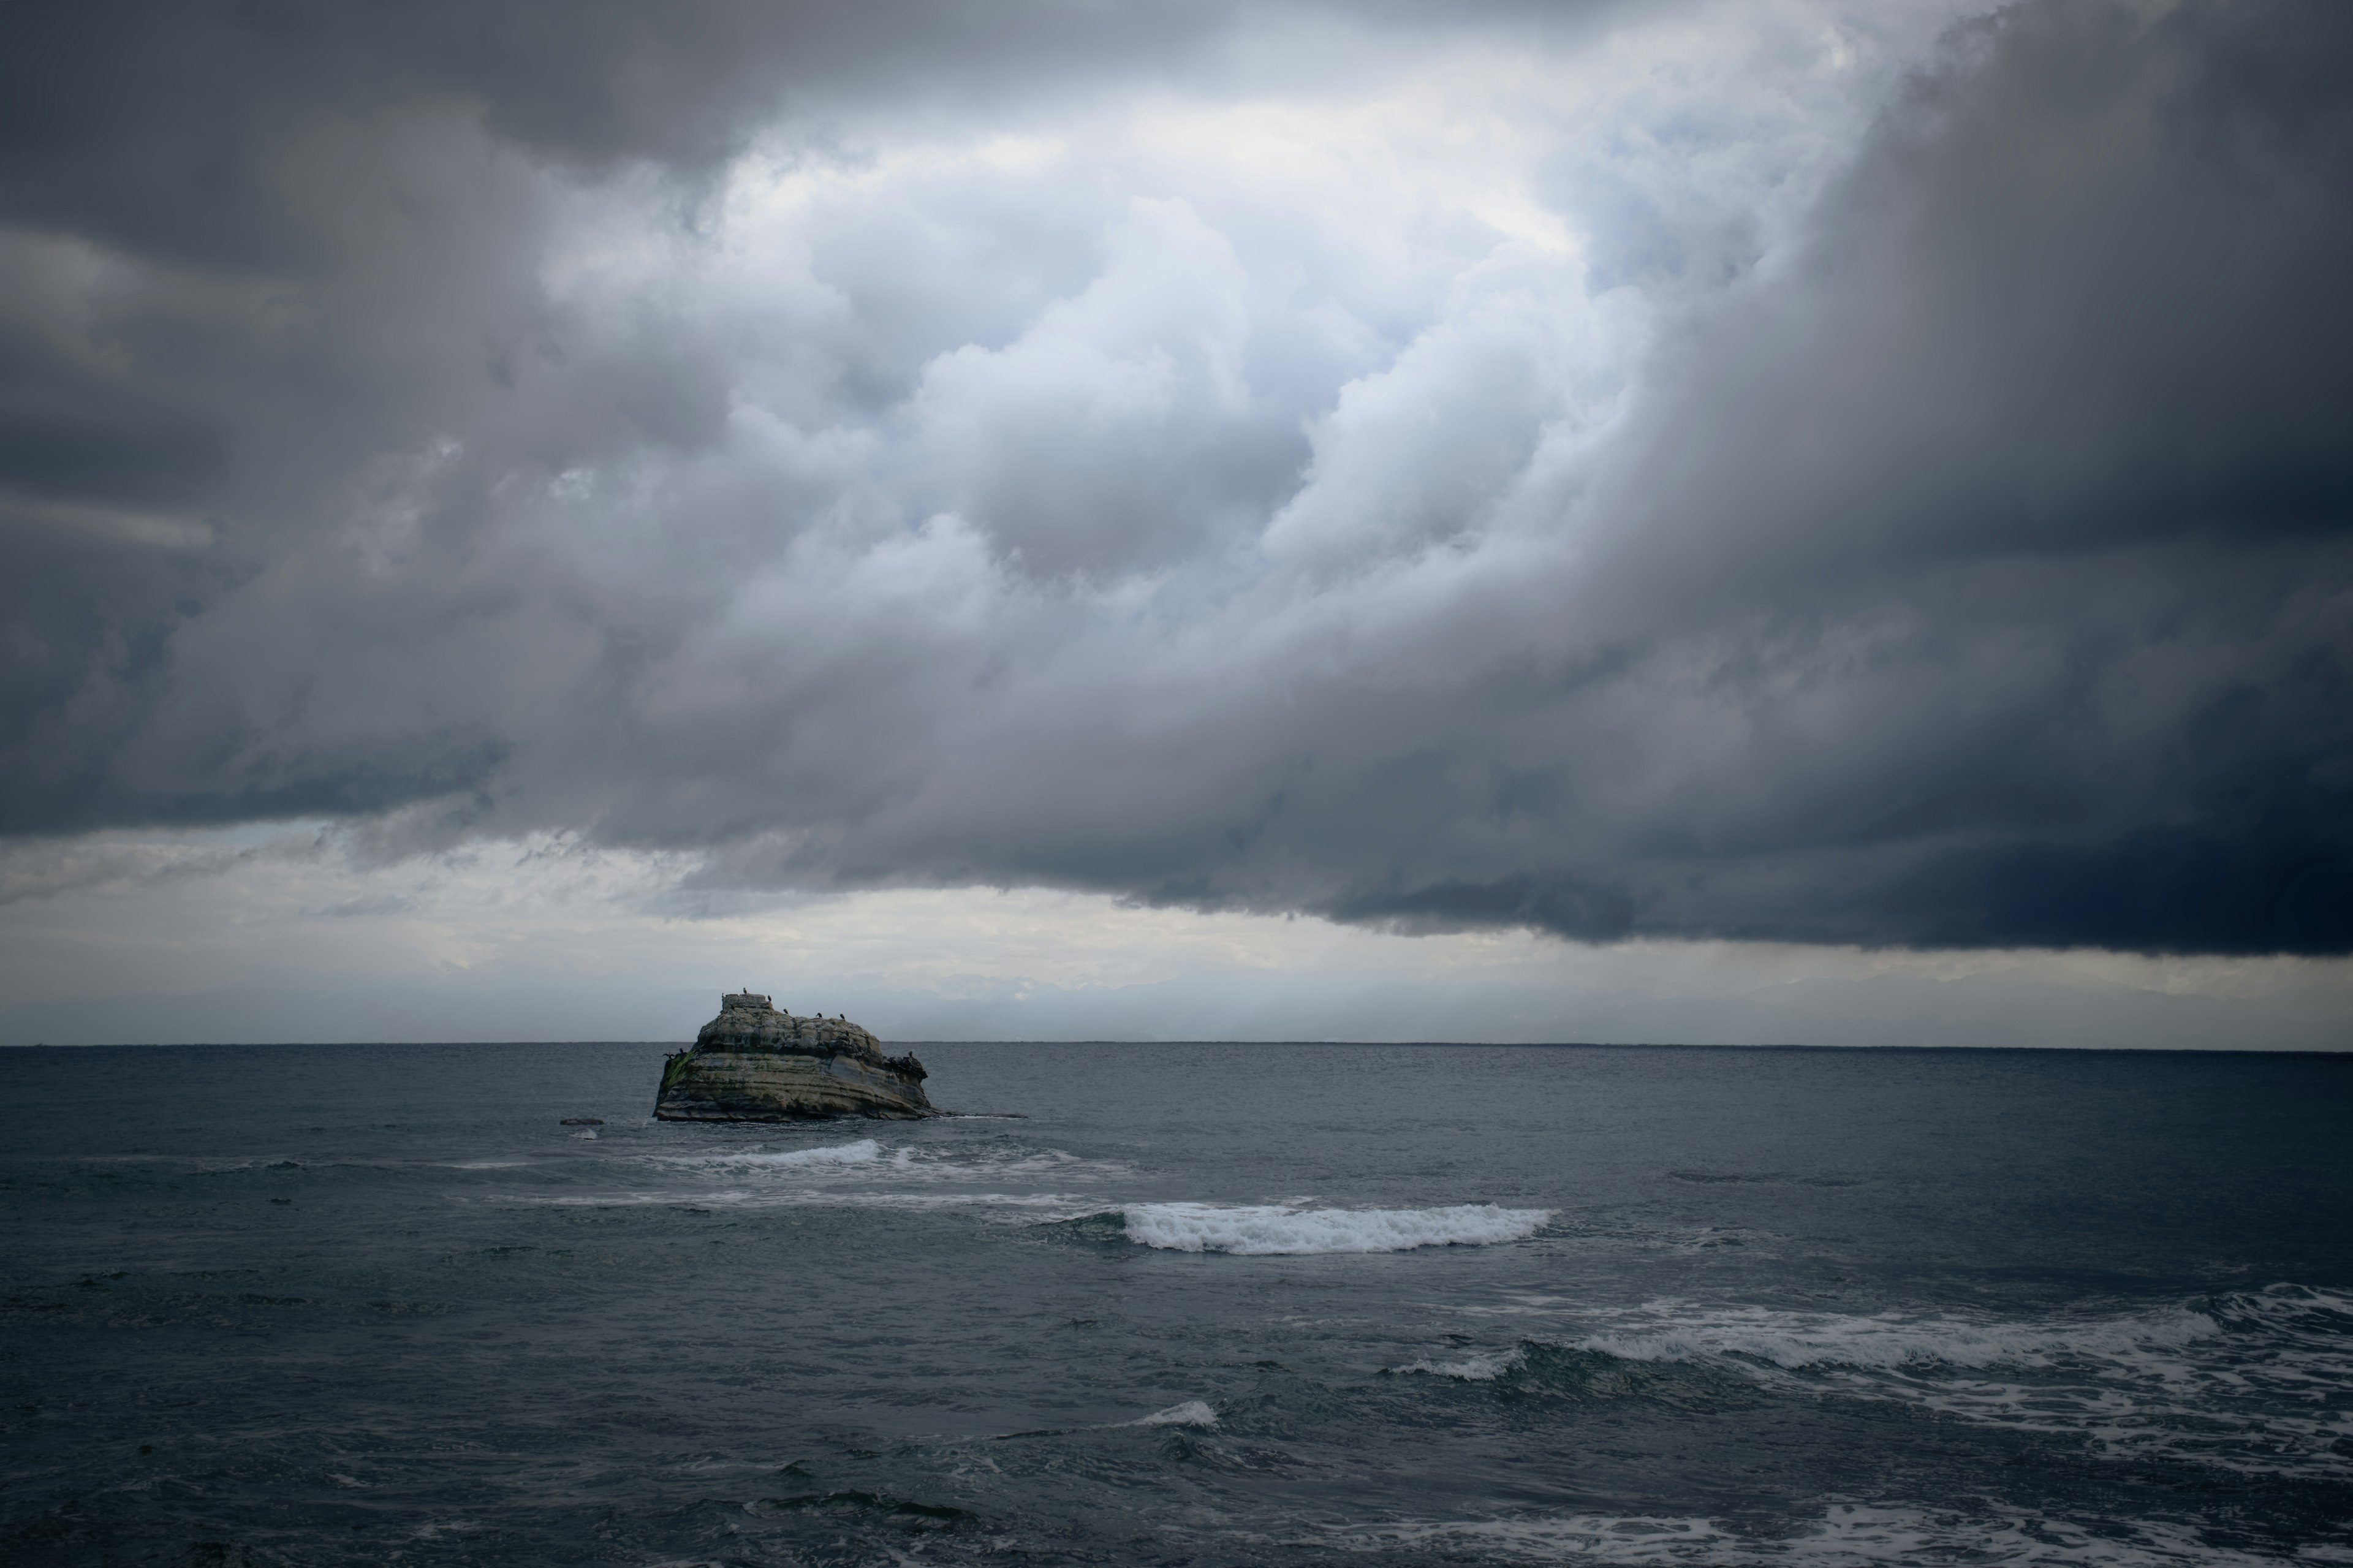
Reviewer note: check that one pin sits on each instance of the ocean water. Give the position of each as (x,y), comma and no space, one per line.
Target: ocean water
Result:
(1201,1305)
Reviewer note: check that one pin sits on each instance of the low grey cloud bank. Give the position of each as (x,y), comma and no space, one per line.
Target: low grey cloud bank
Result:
(1794,472)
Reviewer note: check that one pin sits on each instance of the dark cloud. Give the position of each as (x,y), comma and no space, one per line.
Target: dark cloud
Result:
(393,408)
(2059,381)
(164,127)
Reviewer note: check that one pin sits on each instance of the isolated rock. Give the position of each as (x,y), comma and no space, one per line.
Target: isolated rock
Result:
(754,1063)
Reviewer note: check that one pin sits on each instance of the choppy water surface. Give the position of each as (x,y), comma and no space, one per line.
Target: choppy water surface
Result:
(1235,1304)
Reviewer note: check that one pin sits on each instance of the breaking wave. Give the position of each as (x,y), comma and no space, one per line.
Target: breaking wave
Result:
(784,1198)
(1853,1536)
(1192,1413)
(2258,1382)
(996,1161)
(1274,1229)
(1793,1341)
(999,1174)
(1480,1366)
(864,1152)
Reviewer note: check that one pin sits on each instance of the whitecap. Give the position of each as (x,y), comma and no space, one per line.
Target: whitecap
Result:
(2258,1383)
(1192,1413)
(740,1197)
(866,1157)
(1847,1536)
(1275,1229)
(1796,1340)
(865,1151)
(1479,1366)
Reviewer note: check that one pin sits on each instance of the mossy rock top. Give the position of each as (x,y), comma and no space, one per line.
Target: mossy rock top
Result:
(749,1022)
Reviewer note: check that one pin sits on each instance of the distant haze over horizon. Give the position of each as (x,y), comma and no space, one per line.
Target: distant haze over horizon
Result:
(1814,521)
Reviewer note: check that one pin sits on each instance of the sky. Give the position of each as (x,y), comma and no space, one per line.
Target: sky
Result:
(1795,520)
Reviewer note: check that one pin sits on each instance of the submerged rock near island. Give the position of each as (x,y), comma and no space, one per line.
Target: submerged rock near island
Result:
(757,1063)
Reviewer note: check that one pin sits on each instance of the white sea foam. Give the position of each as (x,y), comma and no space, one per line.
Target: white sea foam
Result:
(1794,1339)
(865,1152)
(1272,1229)
(1845,1537)
(784,1198)
(1061,1202)
(1192,1413)
(2257,1381)
(867,1158)
(1479,1366)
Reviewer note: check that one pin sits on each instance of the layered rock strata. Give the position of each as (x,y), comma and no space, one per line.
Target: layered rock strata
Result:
(756,1063)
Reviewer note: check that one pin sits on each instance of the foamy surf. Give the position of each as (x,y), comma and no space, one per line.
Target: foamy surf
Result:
(1847,1536)
(2220,1383)
(993,1162)
(776,1197)
(864,1152)
(1267,1230)
(1192,1413)
(1481,1366)
(1795,1340)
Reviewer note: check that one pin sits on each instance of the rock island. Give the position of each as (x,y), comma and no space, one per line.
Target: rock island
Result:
(756,1063)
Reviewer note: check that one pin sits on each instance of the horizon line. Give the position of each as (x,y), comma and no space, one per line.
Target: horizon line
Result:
(1365,1044)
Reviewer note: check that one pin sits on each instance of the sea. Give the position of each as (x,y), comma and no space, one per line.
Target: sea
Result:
(1180,1304)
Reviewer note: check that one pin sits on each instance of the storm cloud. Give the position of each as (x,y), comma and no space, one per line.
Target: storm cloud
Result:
(1809,473)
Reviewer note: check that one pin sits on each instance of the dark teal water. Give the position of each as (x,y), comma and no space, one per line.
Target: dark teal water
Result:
(373,1304)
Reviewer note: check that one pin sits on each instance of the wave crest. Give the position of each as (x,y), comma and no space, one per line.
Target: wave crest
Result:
(1192,1413)
(1846,1536)
(864,1152)
(1267,1230)
(1795,1340)
(2248,1380)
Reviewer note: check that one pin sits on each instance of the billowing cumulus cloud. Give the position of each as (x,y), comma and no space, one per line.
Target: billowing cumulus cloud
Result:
(1809,472)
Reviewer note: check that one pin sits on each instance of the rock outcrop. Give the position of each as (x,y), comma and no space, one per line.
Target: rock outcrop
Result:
(754,1063)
